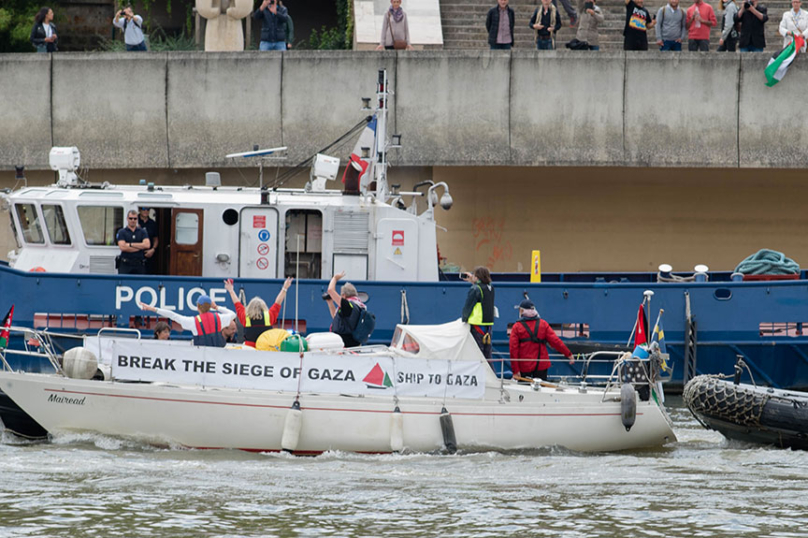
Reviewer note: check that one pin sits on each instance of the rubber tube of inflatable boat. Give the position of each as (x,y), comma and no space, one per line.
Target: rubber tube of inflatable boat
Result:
(447,429)
(397,430)
(628,405)
(291,428)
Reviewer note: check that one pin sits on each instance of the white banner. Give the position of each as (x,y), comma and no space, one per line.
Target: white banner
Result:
(150,360)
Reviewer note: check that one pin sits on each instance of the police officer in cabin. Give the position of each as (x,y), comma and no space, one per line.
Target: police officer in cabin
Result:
(206,326)
(133,242)
(147,223)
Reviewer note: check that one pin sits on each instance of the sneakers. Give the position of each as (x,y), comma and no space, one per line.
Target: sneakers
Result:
(573,21)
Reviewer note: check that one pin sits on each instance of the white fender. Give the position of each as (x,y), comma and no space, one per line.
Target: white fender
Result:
(291,428)
(79,363)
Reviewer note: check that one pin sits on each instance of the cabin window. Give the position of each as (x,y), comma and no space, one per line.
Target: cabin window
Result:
(14,230)
(230,217)
(186,229)
(29,222)
(304,243)
(100,224)
(55,223)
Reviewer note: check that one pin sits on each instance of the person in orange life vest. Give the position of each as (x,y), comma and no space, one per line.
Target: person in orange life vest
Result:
(530,336)
(345,308)
(478,310)
(205,326)
(257,318)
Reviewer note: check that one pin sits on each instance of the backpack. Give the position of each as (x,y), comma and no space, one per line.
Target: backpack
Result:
(364,326)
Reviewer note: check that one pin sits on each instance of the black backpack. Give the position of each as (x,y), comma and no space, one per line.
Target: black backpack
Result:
(364,326)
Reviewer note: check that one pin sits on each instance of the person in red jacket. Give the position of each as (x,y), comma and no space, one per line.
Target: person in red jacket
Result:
(530,336)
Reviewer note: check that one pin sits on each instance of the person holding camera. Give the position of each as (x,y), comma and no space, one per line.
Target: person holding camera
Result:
(670,27)
(591,18)
(133,242)
(273,17)
(546,22)
(478,310)
(43,34)
(795,21)
(132,26)
(729,34)
(752,16)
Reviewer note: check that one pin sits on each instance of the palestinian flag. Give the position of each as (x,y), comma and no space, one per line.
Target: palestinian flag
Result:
(6,327)
(781,61)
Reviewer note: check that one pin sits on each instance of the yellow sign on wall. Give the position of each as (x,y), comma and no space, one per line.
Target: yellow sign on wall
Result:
(535,266)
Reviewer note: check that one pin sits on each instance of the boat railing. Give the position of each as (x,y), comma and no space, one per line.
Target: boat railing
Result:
(36,343)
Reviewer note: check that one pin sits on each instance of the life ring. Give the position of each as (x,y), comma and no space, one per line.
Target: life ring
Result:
(37,269)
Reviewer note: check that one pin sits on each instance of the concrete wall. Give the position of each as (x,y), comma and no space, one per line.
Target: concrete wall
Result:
(476,108)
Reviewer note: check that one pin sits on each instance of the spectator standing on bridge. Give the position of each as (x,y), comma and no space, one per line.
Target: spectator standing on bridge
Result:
(546,22)
(670,27)
(499,23)
(752,16)
(395,29)
(43,34)
(479,310)
(206,326)
(147,223)
(591,18)
(290,30)
(133,242)
(795,21)
(273,25)
(729,33)
(638,22)
(700,18)
(132,26)
(528,342)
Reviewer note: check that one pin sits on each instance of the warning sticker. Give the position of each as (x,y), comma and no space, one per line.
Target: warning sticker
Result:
(398,238)
(259,221)
(262,263)
(263,249)
(397,252)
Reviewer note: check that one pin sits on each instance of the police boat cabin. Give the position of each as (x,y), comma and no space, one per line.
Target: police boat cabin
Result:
(214,231)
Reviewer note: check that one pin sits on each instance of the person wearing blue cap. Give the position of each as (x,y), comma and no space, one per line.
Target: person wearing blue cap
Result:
(206,326)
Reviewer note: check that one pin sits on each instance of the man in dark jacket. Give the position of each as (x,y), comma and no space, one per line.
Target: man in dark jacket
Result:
(499,24)
(273,17)
(752,17)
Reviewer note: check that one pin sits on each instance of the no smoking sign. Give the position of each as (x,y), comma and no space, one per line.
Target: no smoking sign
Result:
(262,263)
(263,249)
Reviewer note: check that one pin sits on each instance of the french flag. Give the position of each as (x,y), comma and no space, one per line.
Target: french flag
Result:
(356,171)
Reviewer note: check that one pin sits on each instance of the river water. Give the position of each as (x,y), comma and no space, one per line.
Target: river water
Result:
(702,485)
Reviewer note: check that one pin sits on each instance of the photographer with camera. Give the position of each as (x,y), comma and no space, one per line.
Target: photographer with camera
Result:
(132,26)
(273,17)
(752,16)
(479,309)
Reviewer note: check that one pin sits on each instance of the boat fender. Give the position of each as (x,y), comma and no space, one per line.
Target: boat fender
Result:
(291,428)
(628,405)
(79,363)
(397,430)
(447,429)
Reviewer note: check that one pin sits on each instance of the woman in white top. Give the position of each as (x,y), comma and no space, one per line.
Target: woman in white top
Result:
(395,28)
(43,34)
(795,21)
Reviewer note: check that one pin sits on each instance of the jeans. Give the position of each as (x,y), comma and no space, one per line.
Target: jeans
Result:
(702,45)
(751,49)
(501,46)
(139,46)
(272,45)
(544,44)
(670,45)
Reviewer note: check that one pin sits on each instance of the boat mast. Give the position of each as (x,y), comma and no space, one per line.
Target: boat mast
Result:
(380,168)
